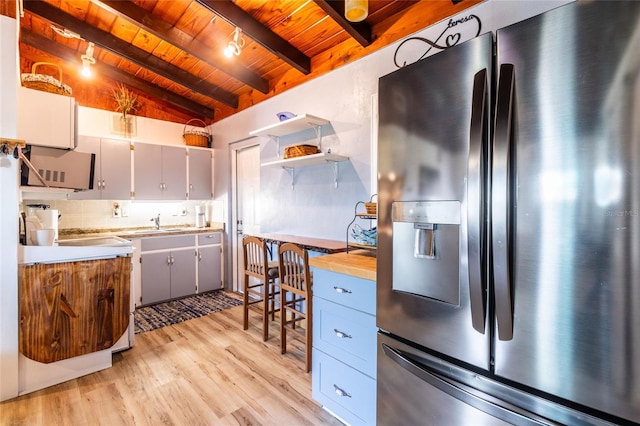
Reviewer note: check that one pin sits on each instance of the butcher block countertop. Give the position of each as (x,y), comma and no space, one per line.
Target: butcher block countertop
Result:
(358,263)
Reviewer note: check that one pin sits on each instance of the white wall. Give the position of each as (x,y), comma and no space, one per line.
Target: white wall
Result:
(96,122)
(344,96)
(8,214)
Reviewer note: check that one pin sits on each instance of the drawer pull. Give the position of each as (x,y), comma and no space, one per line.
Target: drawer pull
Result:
(341,290)
(340,391)
(341,335)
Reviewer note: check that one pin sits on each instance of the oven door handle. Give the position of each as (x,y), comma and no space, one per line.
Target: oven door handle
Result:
(470,396)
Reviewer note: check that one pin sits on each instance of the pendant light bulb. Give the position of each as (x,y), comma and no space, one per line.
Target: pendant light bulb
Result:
(356,10)
(87,61)
(86,69)
(229,50)
(235,46)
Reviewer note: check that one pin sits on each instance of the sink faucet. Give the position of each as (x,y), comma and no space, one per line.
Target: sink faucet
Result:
(156,220)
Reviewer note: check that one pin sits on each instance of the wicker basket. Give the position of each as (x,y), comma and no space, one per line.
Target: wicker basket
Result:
(300,150)
(193,137)
(372,208)
(45,83)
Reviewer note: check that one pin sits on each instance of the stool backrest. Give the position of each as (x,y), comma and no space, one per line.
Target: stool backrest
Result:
(255,257)
(293,263)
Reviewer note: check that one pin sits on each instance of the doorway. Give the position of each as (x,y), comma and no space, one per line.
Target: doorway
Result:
(245,181)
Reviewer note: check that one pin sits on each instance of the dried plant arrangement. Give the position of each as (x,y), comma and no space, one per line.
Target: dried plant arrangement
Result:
(127,101)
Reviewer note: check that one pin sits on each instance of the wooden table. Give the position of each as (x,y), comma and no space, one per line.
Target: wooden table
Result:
(314,244)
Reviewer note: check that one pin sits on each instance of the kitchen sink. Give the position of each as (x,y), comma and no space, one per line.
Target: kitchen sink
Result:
(96,241)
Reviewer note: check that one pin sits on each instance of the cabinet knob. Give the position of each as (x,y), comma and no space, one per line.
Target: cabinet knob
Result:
(341,290)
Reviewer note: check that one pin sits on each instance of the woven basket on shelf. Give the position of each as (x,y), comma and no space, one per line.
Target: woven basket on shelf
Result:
(193,137)
(372,208)
(300,150)
(45,83)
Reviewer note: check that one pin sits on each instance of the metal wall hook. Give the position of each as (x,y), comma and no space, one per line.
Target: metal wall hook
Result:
(10,146)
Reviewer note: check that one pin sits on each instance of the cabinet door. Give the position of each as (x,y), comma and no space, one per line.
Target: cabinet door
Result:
(174,173)
(183,273)
(115,169)
(70,309)
(200,176)
(156,277)
(147,171)
(209,268)
(46,119)
(91,145)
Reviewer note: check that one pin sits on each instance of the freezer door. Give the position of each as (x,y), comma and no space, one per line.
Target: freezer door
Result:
(432,151)
(416,388)
(566,205)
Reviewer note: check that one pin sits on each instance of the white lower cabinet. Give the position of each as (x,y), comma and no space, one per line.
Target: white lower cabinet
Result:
(178,266)
(209,262)
(344,346)
(168,268)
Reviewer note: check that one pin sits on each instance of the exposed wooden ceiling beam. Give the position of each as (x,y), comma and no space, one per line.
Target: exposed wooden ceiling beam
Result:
(131,53)
(360,31)
(70,55)
(172,35)
(258,32)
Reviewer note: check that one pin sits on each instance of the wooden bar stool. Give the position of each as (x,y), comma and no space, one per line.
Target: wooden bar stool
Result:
(260,286)
(295,296)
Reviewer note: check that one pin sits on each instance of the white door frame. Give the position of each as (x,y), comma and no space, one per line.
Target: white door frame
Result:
(235,148)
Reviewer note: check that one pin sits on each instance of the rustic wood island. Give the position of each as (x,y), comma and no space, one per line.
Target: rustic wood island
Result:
(70,309)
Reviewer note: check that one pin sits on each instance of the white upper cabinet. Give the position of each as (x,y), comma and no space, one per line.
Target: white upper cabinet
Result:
(159,172)
(47,119)
(200,174)
(112,176)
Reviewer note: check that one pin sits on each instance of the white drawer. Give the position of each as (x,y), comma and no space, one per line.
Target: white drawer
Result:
(209,239)
(353,292)
(346,334)
(169,242)
(343,390)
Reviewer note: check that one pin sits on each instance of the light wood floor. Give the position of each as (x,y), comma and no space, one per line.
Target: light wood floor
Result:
(206,371)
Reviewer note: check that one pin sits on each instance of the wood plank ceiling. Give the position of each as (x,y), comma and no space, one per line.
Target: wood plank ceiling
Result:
(169,52)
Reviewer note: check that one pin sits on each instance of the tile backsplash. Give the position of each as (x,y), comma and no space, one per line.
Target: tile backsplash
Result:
(132,214)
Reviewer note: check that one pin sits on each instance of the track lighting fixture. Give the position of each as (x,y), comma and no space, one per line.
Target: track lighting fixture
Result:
(87,60)
(356,10)
(235,46)
(65,32)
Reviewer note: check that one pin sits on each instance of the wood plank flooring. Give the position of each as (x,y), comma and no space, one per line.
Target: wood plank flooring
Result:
(206,371)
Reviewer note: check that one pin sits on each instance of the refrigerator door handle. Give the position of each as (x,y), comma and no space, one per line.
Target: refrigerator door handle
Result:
(475,217)
(501,201)
(473,397)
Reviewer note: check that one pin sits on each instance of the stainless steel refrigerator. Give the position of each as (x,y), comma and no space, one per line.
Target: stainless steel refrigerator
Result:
(509,226)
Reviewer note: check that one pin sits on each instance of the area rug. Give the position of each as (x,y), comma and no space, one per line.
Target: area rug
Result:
(152,317)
